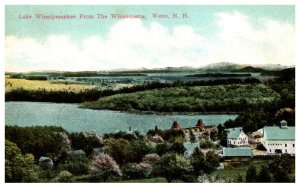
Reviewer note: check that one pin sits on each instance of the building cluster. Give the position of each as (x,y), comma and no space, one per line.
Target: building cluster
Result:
(198,133)
(272,139)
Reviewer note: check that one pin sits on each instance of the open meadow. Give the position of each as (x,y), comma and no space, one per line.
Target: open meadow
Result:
(12,84)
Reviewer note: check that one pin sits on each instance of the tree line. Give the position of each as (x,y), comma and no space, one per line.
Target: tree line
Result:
(43,95)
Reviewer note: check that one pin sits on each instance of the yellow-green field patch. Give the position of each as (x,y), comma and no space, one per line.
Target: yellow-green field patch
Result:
(11,84)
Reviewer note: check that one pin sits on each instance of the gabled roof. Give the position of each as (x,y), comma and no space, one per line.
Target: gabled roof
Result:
(45,159)
(277,133)
(77,152)
(237,152)
(234,133)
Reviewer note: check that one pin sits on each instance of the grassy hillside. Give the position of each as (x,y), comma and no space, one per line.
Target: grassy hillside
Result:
(12,84)
(219,98)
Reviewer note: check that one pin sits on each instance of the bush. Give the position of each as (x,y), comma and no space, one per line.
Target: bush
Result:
(207,144)
(251,174)
(64,176)
(77,165)
(136,171)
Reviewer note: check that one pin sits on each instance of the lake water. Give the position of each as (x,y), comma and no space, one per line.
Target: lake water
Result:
(75,119)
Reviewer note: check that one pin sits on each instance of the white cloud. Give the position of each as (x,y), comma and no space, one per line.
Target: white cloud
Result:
(130,44)
(241,41)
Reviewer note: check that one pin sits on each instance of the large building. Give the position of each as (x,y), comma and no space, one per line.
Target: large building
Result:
(279,140)
(237,154)
(236,137)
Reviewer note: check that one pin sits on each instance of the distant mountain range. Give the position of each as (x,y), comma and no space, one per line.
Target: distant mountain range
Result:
(211,68)
(227,66)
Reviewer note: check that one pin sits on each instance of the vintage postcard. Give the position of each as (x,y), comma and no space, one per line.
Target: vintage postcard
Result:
(150,93)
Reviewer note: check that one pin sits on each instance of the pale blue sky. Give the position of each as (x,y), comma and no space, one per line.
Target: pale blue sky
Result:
(208,25)
(202,18)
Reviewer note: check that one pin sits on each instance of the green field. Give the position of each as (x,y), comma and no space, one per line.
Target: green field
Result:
(13,84)
(220,98)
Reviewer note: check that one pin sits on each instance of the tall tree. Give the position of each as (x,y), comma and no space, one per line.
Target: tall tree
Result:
(222,135)
(18,167)
(104,166)
(174,166)
(198,161)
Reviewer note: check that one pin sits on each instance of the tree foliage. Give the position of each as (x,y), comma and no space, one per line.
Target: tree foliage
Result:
(174,166)
(264,174)
(87,143)
(204,164)
(104,167)
(200,98)
(136,170)
(76,165)
(19,167)
(39,141)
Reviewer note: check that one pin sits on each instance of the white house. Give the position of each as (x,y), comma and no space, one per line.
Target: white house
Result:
(279,139)
(236,137)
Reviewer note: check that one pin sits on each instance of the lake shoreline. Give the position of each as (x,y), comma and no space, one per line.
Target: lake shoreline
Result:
(140,112)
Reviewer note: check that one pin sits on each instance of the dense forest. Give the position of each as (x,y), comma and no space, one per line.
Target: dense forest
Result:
(219,98)
(253,119)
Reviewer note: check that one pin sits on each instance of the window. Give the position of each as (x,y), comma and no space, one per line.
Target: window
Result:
(285,151)
(293,145)
(285,145)
(270,150)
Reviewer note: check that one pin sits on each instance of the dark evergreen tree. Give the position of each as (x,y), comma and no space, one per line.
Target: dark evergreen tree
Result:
(198,161)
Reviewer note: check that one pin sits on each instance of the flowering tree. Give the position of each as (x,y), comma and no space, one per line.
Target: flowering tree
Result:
(104,166)
(150,158)
(154,161)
